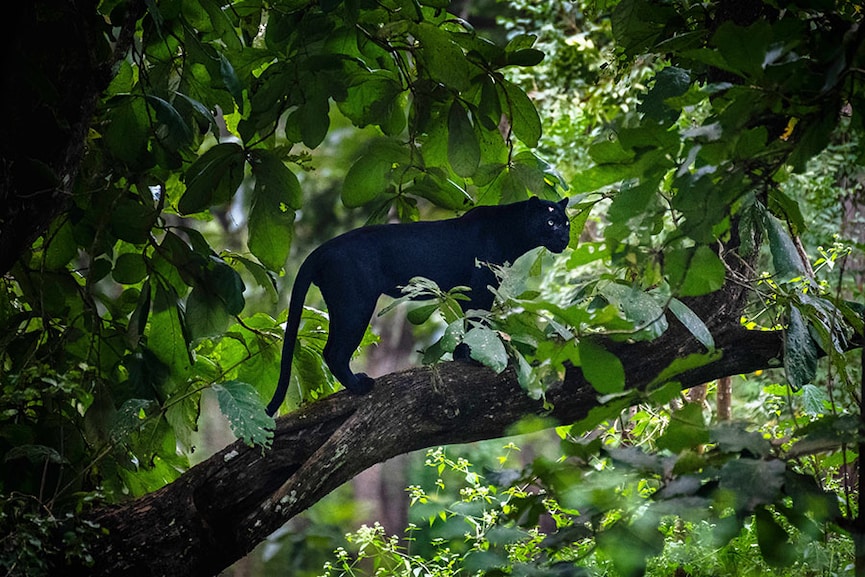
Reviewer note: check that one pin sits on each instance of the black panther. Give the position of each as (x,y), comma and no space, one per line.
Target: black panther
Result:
(355,268)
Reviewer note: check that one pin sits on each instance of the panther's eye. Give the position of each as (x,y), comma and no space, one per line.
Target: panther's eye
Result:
(551,222)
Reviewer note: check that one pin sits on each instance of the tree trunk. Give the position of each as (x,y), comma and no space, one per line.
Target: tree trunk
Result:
(56,63)
(223,507)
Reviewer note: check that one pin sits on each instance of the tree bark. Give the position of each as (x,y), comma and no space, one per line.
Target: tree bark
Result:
(223,507)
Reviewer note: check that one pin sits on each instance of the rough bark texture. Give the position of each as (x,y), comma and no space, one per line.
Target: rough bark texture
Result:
(223,507)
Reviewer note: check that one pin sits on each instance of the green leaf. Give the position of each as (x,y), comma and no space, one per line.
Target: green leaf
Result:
(206,315)
(419,315)
(788,264)
(693,323)
(733,438)
(694,271)
(132,221)
(213,178)
(521,112)
(60,244)
(314,121)
(637,24)
(686,430)
(639,308)
(442,57)
(773,539)
(129,268)
(601,368)
(370,174)
(681,365)
(525,57)
(783,205)
(241,405)
(800,351)
(487,348)
(275,197)
(630,545)
(166,336)
(225,283)
(753,482)
(128,131)
(178,133)
(231,81)
(464,151)
(490,105)
(669,82)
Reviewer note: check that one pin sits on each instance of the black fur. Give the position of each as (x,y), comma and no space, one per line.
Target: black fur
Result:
(354,269)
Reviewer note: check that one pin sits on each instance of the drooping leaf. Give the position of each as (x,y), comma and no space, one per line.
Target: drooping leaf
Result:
(753,482)
(692,322)
(522,114)
(213,178)
(800,351)
(464,151)
(206,315)
(786,259)
(773,539)
(241,405)
(129,268)
(275,197)
(166,336)
(601,368)
(687,429)
(231,81)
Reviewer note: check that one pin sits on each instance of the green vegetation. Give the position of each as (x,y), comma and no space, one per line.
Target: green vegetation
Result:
(707,149)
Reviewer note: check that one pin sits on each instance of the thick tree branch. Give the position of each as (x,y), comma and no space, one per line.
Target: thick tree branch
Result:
(223,507)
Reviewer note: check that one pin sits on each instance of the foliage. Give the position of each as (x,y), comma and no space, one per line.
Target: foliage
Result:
(683,133)
(629,511)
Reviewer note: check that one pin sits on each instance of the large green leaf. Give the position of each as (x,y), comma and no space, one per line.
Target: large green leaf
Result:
(786,259)
(464,151)
(213,178)
(687,429)
(166,336)
(442,57)
(601,368)
(487,348)
(370,175)
(271,218)
(241,405)
(800,351)
(694,271)
(523,115)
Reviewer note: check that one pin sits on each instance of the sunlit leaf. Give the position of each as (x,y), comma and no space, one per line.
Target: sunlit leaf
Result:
(487,348)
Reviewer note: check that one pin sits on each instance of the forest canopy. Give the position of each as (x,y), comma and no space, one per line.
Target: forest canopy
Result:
(167,165)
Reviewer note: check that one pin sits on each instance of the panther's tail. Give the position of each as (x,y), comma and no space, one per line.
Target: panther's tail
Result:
(295,309)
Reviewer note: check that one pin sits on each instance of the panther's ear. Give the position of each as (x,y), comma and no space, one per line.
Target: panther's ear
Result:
(564,203)
(533,201)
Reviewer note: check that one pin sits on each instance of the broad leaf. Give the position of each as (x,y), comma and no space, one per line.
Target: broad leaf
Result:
(213,178)
(601,368)
(241,405)
(487,348)
(464,151)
